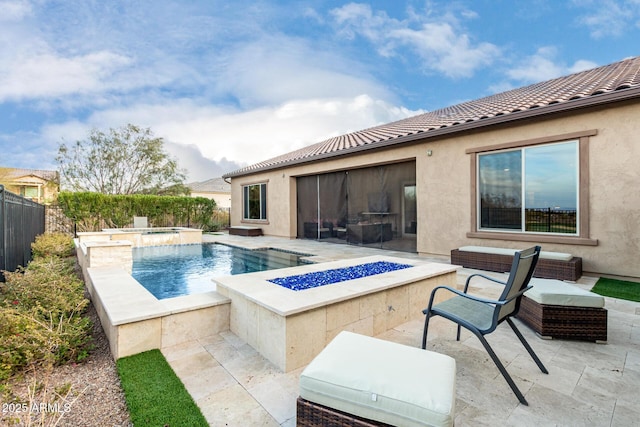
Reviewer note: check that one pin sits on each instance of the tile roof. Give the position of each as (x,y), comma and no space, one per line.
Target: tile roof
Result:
(14,173)
(573,91)
(214,185)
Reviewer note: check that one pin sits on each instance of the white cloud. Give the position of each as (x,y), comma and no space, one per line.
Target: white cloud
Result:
(48,75)
(609,18)
(581,65)
(544,65)
(14,10)
(440,42)
(443,49)
(88,60)
(254,135)
(275,69)
(238,104)
(234,137)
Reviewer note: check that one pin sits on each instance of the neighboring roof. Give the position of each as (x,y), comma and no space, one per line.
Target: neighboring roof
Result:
(215,185)
(13,173)
(606,84)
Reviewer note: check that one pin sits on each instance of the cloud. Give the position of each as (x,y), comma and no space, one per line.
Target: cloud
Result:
(197,167)
(14,10)
(609,18)
(47,75)
(275,69)
(233,138)
(442,49)
(439,41)
(253,135)
(543,65)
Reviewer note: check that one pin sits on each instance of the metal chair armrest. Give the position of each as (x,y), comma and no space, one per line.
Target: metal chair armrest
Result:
(466,284)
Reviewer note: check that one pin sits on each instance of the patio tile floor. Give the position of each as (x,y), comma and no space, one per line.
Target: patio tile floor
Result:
(588,384)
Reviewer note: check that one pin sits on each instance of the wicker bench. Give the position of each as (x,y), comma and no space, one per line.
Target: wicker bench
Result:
(555,309)
(358,380)
(551,265)
(245,230)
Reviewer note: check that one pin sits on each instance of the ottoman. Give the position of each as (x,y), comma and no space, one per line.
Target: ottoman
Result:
(358,380)
(555,309)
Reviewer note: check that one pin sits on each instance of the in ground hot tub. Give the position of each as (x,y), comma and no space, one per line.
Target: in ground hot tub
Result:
(152,236)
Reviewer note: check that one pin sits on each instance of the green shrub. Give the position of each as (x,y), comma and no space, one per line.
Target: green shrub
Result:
(88,210)
(53,244)
(42,312)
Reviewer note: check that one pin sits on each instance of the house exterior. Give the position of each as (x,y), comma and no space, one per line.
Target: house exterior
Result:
(216,189)
(41,186)
(554,163)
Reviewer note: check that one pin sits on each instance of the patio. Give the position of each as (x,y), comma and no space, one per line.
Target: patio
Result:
(588,384)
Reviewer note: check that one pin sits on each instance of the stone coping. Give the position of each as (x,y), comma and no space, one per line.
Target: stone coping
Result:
(285,302)
(125,300)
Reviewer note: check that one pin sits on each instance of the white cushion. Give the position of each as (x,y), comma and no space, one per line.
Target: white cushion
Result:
(557,292)
(383,381)
(560,256)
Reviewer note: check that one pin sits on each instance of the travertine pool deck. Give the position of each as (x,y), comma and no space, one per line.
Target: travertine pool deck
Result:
(588,384)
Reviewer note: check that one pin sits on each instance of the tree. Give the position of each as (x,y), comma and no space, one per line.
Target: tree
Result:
(126,160)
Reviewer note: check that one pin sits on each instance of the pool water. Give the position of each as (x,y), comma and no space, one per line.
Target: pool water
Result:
(176,270)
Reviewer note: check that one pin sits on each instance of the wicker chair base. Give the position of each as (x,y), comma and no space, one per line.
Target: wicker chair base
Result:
(565,322)
(309,414)
(546,268)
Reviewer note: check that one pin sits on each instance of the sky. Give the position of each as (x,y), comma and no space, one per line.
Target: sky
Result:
(227,84)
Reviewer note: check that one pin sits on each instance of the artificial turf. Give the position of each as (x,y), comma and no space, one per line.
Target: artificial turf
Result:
(155,395)
(620,289)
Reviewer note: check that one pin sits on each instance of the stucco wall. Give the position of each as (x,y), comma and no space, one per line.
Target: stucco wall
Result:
(444,189)
(223,200)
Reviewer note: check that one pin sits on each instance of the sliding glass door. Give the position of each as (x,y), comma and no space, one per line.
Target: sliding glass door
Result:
(372,206)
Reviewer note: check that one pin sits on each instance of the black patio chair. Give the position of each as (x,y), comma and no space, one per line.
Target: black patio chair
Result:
(481,315)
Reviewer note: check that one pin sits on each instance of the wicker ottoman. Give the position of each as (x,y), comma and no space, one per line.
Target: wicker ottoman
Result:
(363,381)
(555,309)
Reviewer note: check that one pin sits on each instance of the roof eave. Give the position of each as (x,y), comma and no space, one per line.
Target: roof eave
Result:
(567,106)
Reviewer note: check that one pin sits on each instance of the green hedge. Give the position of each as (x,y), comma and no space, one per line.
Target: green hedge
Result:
(91,210)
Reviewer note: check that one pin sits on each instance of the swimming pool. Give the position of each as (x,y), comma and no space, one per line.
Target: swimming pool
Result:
(176,270)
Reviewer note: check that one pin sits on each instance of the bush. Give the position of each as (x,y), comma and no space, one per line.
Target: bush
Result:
(90,210)
(41,310)
(53,244)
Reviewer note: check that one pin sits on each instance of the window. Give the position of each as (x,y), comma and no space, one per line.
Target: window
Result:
(254,201)
(532,189)
(30,192)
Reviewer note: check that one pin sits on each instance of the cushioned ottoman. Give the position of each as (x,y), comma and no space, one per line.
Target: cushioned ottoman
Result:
(555,309)
(364,381)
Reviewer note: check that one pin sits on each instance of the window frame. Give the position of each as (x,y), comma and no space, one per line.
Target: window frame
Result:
(582,235)
(262,202)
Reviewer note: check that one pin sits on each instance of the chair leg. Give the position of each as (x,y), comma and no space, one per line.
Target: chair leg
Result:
(501,368)
(426,329)
(526,345)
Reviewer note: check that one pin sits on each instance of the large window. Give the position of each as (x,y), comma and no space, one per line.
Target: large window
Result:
(254,202)
(530,190)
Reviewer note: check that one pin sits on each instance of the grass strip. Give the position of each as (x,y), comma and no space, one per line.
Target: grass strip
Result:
(155,395)
(620,289)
